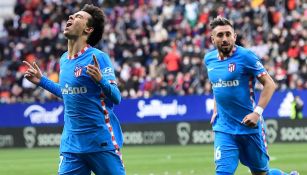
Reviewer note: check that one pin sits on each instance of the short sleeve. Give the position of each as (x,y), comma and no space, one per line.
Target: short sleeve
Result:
(254,65)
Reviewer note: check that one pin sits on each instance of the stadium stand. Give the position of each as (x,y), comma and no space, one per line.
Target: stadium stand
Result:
(157,46)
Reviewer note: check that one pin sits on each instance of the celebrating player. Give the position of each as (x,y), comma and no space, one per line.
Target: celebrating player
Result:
(92,136)
(237,120)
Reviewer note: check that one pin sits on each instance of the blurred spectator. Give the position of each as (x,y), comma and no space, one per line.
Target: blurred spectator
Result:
(297,108)
(157,46)
(172,61)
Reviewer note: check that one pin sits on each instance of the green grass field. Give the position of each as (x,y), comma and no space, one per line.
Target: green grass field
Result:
(151,160)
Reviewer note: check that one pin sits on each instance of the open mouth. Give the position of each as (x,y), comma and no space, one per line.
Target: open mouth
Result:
(68,24)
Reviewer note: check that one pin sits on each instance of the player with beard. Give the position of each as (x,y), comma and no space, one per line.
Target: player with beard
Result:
(237,120)
(92,136)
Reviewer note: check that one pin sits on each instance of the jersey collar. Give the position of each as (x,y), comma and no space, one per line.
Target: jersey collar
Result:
(221,58)
(79,53)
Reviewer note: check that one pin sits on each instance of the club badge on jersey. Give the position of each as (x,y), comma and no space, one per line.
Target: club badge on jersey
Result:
(231,67)
(78,71)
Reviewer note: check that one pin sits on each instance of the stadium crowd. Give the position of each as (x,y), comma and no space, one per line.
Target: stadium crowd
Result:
(157,46)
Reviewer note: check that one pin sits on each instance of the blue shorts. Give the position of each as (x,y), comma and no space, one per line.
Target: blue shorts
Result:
(250,149)
(101,163)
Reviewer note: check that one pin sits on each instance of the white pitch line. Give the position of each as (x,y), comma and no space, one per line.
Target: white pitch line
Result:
(272,158)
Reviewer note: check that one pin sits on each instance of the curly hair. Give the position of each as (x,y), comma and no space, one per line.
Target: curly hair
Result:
(220,21)
(97,21)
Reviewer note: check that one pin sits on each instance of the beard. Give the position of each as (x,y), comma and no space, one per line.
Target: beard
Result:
(225,49)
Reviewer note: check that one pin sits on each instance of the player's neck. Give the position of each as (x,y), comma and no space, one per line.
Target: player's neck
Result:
(74,46)
(223,56)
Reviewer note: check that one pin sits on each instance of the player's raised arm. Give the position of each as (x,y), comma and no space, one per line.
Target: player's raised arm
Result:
(94,70)
(109,89)
(34,75)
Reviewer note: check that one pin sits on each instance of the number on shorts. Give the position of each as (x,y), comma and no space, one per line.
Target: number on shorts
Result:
(217,153)
(61,160)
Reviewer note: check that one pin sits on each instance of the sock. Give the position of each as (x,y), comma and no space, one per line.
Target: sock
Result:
(276,171)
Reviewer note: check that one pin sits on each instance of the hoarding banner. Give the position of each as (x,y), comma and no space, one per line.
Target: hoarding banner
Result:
(151,110)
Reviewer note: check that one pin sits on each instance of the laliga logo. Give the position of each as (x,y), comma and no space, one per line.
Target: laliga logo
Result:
(39,115)
(157,108)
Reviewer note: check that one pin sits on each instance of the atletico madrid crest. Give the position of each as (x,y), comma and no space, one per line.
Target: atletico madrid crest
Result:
(231,67)
(78,71)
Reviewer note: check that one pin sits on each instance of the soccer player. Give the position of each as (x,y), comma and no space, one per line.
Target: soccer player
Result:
(92,136)
(237,120)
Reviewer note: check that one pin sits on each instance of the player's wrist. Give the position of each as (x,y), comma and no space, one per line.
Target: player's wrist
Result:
(258,110)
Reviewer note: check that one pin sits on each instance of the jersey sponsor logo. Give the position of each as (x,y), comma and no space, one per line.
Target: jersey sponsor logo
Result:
(108,71)
(163,111)
(231,67)
(78,71)
(74,90)
(39,114)
(221,83)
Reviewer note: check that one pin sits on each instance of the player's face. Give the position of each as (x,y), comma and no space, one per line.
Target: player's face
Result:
(77,25)
(224,38)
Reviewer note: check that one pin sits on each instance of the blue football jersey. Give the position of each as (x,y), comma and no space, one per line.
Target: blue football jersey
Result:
(89,122)
(233,80)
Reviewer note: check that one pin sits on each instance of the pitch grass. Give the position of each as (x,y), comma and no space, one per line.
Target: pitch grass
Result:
(151,160)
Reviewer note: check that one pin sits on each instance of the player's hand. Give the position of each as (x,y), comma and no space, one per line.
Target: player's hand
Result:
(213,118)
(33,73)
(251,119)
(94,70)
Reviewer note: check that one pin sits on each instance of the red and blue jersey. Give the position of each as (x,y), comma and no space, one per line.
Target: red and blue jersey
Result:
(233,84)
(89,122)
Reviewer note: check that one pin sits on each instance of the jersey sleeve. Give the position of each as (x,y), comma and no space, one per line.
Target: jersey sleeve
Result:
(108,82)
(254,65)
(51,86)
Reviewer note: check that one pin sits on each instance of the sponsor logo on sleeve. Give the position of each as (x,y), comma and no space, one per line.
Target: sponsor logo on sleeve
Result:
(108,71)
